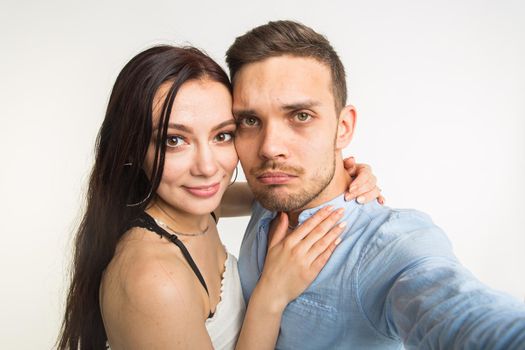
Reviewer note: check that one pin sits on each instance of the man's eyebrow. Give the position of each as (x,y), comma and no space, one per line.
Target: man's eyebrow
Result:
(240,113)
(300,105)
(243,113)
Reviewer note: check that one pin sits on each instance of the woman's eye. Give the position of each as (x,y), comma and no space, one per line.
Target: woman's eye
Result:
(249,121)
(224,137)
(303,117)
(174,141)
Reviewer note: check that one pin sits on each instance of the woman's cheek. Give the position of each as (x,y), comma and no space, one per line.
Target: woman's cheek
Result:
(231,160)
(174,169)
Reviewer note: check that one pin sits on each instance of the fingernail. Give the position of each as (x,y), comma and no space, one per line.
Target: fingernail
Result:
(346,197)
(329,208)
(339,211)
(337,241)
(342,224)
(360,199)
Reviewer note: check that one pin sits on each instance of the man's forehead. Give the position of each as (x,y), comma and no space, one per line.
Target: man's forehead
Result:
(283,80)
(281,67)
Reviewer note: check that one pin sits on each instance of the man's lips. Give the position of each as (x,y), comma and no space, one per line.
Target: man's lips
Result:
(205,191)
(275,178)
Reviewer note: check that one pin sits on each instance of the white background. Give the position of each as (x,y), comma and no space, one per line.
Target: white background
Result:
(439,87)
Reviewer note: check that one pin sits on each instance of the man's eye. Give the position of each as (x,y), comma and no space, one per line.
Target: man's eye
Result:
(224,137)
(302,117)
(174,141)
(249,121)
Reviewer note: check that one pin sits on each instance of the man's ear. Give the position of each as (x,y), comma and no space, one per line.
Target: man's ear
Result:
(345,127)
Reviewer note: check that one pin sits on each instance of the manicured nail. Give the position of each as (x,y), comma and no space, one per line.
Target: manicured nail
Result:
(342,224)
(360,199)
(337,241)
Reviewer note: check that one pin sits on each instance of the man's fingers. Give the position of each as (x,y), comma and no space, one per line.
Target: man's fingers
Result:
(278,229)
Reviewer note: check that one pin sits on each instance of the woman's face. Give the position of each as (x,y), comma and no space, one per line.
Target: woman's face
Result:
(200,153)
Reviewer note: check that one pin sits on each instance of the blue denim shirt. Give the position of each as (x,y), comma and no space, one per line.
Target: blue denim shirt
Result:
(393,280)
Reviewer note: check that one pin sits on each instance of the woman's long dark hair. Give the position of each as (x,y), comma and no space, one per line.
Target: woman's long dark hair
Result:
(118,187)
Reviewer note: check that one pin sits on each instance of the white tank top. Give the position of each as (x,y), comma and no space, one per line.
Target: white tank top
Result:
(225,325)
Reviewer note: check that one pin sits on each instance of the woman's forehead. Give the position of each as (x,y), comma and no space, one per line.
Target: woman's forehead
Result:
(199,104)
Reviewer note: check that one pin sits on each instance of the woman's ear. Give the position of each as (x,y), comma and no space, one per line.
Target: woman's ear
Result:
(345,127)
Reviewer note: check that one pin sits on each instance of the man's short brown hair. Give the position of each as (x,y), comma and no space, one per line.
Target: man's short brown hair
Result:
(287,38)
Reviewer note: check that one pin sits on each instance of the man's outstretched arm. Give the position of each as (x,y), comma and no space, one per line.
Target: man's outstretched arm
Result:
(430,301)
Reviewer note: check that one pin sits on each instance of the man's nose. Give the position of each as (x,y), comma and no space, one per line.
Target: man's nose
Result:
(274,142)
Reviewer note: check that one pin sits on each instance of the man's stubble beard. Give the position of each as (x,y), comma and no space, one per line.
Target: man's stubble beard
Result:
(310,189)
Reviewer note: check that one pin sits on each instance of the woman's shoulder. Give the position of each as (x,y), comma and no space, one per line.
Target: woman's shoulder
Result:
(146,268)
(149,296)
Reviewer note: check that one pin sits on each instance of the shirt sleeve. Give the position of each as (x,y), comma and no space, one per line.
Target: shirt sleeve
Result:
(412,287)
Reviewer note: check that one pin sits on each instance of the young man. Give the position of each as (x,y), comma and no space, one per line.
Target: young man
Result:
(393,279)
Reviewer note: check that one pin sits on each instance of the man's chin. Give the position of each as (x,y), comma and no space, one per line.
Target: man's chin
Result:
(280,199)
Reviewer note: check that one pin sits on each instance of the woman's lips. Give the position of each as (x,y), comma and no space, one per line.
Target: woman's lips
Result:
(275,178)
(203,191)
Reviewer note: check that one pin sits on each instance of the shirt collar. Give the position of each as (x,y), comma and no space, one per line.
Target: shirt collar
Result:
(337,202)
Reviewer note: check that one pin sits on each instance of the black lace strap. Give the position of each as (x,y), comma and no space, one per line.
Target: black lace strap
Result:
(147,222)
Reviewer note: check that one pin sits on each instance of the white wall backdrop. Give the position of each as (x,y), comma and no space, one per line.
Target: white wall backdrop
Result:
(439,87)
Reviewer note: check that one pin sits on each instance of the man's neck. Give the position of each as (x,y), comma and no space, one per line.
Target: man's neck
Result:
(340,182)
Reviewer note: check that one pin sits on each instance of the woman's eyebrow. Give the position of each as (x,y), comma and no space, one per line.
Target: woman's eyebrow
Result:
(189,129)
(181,127)
(230,121)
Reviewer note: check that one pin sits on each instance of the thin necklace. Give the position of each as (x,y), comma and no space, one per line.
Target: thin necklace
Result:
(162,224)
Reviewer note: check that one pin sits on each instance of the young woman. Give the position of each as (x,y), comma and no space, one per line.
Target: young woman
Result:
(164,159)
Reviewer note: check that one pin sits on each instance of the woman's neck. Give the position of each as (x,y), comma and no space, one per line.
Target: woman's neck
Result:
(178,220)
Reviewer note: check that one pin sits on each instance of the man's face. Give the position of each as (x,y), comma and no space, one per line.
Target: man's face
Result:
(287,121)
